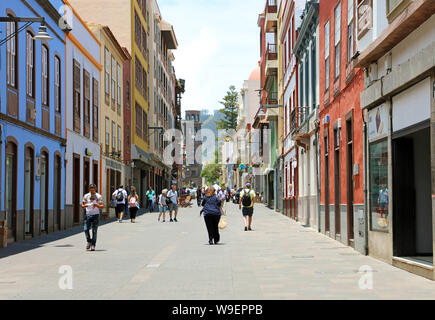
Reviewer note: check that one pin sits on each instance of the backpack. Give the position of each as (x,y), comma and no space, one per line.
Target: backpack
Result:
(120,196)
(246,200)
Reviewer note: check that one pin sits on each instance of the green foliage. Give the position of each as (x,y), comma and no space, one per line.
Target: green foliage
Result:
(230,110)
(212,173)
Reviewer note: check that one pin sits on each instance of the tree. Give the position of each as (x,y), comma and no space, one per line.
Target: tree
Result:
(212,173)
(230,110)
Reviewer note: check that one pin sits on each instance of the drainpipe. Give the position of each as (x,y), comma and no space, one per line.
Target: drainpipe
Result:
(366,238)
(319,227)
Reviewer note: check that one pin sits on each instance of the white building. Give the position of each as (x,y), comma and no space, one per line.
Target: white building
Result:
(397,50)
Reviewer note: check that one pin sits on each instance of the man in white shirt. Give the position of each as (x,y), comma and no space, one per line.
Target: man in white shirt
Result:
(120,195)
(173,206)
(93,203)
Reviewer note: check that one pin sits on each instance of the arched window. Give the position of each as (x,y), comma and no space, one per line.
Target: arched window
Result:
(11,189)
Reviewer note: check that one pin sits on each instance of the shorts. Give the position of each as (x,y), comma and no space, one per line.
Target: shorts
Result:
(248,212)
(120,208)
(173,207)
(163,209)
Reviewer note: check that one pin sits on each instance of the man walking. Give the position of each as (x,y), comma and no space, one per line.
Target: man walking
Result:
(173,207)
(247,201)
(93,203)
(120,195)
(199,196)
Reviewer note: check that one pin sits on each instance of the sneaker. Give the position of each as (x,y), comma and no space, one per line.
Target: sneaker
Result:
(249,229)
(120,221)
(210,242)
(88,246)
(246,228)
(171,220)
(175,220)
(163,221)
(93,248)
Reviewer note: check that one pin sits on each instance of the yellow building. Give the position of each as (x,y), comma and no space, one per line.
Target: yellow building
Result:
(111,120)
(129,22)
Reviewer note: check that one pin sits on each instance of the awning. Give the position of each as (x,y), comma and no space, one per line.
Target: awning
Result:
(169,35)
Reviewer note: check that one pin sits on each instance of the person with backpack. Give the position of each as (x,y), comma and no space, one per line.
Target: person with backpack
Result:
(247,201)
(133,204)
(212,214)
(120,195)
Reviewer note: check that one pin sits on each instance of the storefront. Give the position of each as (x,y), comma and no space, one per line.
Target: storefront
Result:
(399,180)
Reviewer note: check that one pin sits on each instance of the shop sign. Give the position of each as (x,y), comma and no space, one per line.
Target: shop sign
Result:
(379,122)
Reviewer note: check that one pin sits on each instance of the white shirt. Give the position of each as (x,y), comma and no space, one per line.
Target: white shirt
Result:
(124,193)
(91,202)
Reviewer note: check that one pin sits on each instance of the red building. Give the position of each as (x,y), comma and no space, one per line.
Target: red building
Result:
(127,115)
(341,125)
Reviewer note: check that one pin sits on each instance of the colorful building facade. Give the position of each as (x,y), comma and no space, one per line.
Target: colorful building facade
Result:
(83,152)
(341,139)
(32,122)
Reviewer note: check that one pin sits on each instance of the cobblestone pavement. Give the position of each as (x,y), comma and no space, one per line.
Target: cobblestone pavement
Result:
(279,259)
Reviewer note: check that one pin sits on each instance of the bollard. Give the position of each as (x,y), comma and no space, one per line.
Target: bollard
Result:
(3,234)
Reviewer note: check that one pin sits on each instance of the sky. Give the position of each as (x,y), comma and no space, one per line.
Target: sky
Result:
(219,46)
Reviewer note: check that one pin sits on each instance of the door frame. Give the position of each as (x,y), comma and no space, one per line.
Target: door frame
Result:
(47,183)
(76,188)
(12,143)
(350,156)
(29,146)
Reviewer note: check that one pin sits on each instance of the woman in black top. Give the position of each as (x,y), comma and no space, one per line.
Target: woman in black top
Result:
(212,215)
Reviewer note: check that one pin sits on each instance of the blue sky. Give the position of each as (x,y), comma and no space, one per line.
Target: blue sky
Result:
(218,46)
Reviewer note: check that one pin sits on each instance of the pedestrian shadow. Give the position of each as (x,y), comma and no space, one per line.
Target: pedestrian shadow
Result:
(41,241)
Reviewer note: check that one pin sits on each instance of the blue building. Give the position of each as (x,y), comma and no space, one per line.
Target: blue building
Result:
(32,120)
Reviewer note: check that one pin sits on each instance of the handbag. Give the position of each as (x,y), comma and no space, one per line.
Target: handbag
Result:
(113,203)
(222,223)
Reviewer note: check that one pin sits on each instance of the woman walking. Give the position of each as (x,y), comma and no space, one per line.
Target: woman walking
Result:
(133,203)
(163,205)
(212,214)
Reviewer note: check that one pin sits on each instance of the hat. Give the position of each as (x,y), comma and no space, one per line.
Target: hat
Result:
(165,191)
(248,185)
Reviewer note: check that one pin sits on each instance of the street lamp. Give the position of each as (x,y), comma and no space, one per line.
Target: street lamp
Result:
(41,35)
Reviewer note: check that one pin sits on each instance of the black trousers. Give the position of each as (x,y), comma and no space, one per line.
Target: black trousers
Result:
(212,223)
(133,212)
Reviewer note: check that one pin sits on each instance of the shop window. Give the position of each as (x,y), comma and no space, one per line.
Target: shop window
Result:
(379,193)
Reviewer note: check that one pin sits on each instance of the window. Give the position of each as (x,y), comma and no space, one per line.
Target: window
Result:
(379,194)
(350,30)
(77,96)
(95,112)
(107,72)
(137,29)
(113,136)
(44,70)
(87,103)
(138,112)
(127,93)
(107,133)
(119,139)
(30,62)
(145,126)
(57,84)
(127,137)
(395,8)
(327,56)
(113,80)
(11,56)
(337,38)
(118,81)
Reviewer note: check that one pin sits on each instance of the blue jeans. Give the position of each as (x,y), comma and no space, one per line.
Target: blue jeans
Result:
(92,222)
